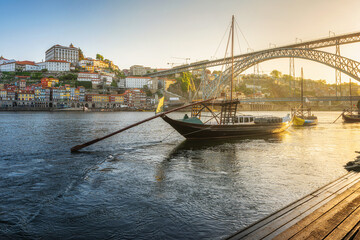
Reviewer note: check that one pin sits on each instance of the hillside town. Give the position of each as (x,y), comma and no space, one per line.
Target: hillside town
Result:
(69,80)
(66,79)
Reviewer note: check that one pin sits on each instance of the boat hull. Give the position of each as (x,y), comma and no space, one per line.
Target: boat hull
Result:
(298,121)
(350,118)
(207,131)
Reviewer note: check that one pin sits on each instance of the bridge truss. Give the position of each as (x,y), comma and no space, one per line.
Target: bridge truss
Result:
(342,64)
(304,50)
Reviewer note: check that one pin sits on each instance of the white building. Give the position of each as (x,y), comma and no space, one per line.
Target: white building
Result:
(19,66)
(55,65)
(4,60)
(88,77)
(136,82)
(57,52)
(8,67)
(107,79)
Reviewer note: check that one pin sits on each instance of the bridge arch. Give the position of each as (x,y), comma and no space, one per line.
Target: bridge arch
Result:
(343,64)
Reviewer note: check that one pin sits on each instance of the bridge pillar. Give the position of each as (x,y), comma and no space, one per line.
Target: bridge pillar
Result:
(337,72)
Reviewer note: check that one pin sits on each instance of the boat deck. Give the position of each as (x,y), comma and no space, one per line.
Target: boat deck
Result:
(331,212)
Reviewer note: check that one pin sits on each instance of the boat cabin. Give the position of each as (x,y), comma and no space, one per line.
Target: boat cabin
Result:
(244,119)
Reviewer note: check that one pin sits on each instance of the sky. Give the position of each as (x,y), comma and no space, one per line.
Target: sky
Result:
(155,33)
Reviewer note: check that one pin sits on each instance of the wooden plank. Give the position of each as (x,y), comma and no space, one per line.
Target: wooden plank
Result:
(292,217)
(353,232)
(326,218)
(357,236)
(305,213)
(299,225)
(346,226)
(307,200)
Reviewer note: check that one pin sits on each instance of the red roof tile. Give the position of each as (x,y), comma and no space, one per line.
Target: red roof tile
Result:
(25,63)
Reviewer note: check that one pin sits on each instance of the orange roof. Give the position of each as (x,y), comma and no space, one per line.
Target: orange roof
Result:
(25,63)
(22,76)
(88,72)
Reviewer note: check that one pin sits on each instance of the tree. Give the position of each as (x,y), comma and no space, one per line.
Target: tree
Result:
(276,74)
(147,90)
(44,70)
(81,55)
(114,83)
(99,57)
(85,84)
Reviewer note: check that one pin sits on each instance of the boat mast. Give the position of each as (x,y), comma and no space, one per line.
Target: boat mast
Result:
(302,88)
(232,57)
(350,97)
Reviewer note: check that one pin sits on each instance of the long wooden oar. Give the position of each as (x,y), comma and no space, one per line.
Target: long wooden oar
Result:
(338,117)
(78,147)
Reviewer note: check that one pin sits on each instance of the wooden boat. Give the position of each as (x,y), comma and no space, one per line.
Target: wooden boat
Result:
(350,115)
(227,124)
(302,116)
(223,124)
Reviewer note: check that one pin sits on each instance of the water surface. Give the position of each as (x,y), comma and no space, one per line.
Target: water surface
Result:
(148,183)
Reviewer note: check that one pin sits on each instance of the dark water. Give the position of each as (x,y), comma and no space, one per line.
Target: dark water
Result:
(134,186)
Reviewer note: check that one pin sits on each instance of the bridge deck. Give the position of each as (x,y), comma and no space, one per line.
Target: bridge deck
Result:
(331,212)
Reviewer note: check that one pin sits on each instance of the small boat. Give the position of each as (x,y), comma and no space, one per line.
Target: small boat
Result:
(353,165)
(302,116)
(350,115)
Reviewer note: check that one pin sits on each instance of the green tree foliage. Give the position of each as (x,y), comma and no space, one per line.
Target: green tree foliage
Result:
(81,55)
(36,75)
(187,83)
(68,77)
(159,93)
(85,84)
(147,91)
(99,57)
(276,74)
(114,83)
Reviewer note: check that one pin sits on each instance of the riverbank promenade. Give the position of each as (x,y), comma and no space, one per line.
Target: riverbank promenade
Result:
(331,212)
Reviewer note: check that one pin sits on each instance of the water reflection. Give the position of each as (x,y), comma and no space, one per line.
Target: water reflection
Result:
(211,155)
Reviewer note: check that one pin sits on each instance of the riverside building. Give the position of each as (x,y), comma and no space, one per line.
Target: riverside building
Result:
(58,52)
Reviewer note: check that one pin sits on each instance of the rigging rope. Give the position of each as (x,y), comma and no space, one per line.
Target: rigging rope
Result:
(221,40)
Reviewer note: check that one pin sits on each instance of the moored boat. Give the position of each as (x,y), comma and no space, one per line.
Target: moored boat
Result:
(302,116)
(350,116)
(227,124)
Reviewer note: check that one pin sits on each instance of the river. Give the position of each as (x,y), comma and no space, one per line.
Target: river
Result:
(148,183)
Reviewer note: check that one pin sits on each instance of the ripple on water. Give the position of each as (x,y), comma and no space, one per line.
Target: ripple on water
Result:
(134,186)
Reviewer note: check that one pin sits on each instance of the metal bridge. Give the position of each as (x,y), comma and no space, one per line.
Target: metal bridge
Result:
(304,50)
(298,99)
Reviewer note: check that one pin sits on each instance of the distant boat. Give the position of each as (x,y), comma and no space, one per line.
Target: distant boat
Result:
(303,116)
(350,115)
